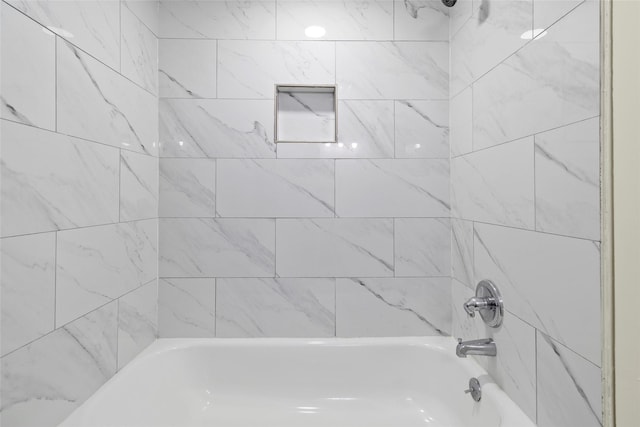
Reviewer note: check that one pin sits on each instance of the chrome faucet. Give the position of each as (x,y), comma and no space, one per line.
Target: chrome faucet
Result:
(481,347)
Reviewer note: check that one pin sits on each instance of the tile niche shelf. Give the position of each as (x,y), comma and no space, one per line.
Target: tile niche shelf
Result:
(306,113)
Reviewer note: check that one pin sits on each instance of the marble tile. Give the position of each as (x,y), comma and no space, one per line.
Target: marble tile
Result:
(514,367)
(216,128)
(139,52)
(547,12)
(96,103)
(422,247)
(147,11)
(305,116)
(459,15)
(422,129)
(513,258)
(187,308)
(27,288)
(187,188)
(461,124)
(45,381)
(279,62)
(52,182)
(493,33)
(551,82)
(187,68)
(275,188)
(462,251)
(387,70)
(569,387)
(393,307)
(334,247)
(98,264)
(342,20)
(28,67)
(495,185)
(567,163)
(137,321)
(138,186)
(226,19)
(392,188)
(365,130)
(92,25)
(421,20)
(208,247)
(275,307)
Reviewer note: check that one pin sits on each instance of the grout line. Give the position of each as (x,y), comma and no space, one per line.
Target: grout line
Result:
(55,280)
(55,61)
(82,227)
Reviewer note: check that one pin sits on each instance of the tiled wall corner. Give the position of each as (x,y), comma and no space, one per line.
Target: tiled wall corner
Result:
(525,197)
(80,200)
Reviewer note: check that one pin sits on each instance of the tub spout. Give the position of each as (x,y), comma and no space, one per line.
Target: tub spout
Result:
(481,347)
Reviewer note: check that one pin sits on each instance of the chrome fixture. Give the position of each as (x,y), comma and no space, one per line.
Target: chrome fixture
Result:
(474,389)
(481,347)
(488,302)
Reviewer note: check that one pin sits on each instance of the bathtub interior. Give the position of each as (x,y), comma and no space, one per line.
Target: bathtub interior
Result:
(296,382)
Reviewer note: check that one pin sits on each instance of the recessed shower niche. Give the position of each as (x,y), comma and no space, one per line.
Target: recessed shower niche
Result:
(305,113)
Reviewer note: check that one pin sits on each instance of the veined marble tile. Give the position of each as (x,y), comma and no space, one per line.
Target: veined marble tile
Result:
(421,20)
(495,185)
(334,247)
(387,70)
(279,62)
(393,307)
(137,321)
(392,188)
(187,187)
(547,12)
(139,52)
(422,247)
(218,19)
(459,15)
(52,182)
(528,266)
(45,381)
(306,117)
(28,83)
(98,264)
(96,103)
(422,129)
(568,180)
(569,387)
(365,130)
(495,31)
(27,288)
(147,11)
(275,188)
(208,247)
(462,251)
(461,117)
(342,20)
(187,308)
(92,25)
(551,82)
(514,367)
(138,186)
(275,307)
(216,128)
(187,68)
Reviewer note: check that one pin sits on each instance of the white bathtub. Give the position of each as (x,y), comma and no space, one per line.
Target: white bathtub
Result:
(392,382)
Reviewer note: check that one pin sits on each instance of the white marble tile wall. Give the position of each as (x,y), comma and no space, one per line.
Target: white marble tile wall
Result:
(259,238)
(79,215)
(525,196)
